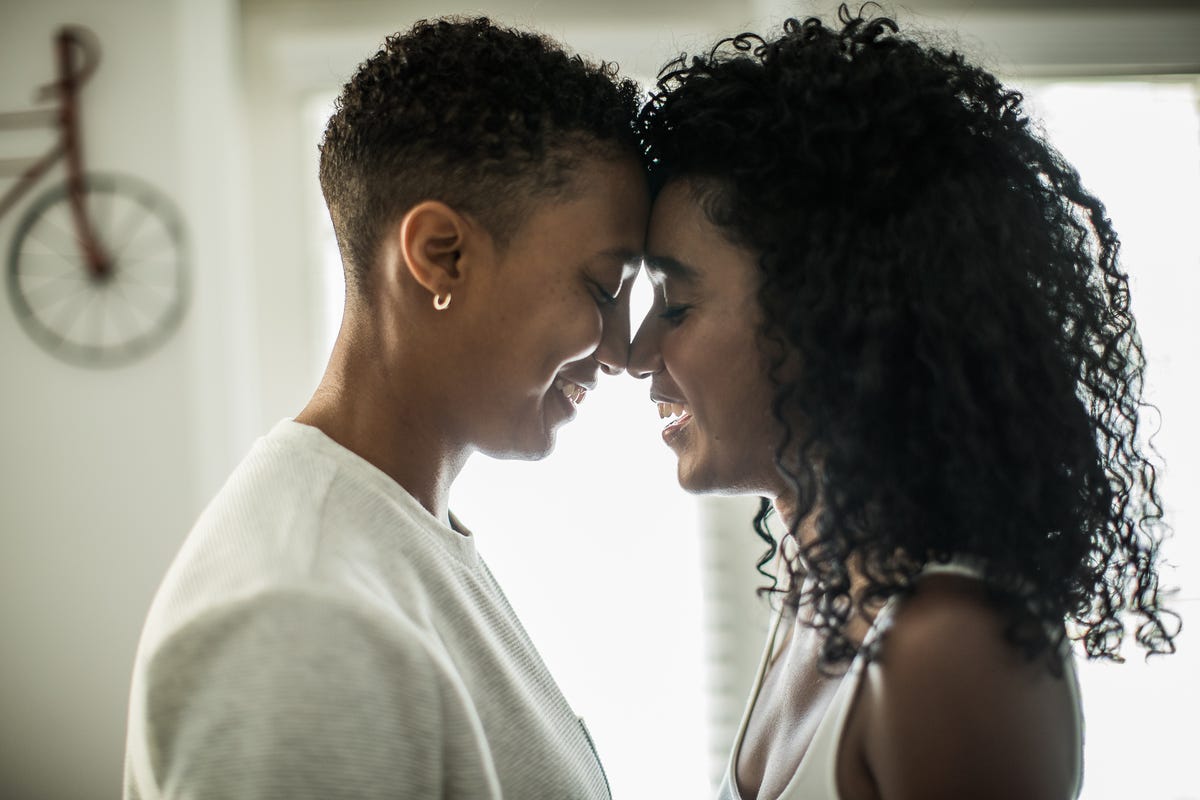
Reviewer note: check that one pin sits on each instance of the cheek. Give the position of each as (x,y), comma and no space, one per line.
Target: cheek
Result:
(577,332)
(724,377)
(559,328)
(682,361)
(707,365)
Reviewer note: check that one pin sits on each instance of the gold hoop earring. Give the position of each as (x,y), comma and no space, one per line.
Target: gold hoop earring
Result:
(439,303)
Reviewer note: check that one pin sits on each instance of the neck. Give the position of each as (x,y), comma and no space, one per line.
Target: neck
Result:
(785,507)
(805,534)
(371,402)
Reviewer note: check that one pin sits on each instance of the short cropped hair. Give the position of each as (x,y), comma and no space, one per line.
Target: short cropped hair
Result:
(484,118)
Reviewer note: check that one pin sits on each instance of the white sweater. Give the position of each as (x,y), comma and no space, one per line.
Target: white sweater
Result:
(321,635)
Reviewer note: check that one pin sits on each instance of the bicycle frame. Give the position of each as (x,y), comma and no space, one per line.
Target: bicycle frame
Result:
(78,54)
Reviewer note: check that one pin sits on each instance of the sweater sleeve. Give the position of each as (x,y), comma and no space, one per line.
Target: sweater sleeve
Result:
(294,695)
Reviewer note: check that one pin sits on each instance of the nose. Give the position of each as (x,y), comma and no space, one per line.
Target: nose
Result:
(613,351)
(609,365)
(645,357)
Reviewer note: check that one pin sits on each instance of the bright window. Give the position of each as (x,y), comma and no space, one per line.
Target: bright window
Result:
(1136,145)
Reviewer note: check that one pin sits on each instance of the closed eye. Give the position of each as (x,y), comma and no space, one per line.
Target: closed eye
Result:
(603,296)
(674,315)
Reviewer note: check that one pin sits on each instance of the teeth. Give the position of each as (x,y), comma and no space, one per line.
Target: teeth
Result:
(572,391)
(671,410)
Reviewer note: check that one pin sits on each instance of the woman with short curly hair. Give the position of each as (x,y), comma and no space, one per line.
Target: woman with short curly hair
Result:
(329,629)
(885,304)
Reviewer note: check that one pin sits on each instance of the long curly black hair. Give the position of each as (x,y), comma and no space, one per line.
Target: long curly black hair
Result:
(482,117)
(970,375)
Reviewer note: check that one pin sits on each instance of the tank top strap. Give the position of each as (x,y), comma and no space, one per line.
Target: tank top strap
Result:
(816,775)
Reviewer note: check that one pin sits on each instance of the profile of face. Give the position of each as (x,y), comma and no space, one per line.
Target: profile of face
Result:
(699,347)
(550,310)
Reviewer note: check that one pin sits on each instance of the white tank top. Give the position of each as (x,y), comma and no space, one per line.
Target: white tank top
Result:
(816,777)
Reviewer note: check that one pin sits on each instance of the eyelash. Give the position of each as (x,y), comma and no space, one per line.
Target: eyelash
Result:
(673,315)
(603,297)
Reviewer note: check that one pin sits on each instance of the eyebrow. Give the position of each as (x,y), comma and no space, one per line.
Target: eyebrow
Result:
(662,267)
(622,254)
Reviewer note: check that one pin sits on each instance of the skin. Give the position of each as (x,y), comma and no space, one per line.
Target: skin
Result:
(415,391)
(948,709)
(698,346)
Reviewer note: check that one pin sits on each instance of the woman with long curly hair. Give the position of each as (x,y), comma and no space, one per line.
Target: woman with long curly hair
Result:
(886,305)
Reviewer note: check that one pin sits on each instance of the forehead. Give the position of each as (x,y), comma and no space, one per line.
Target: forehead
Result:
(600,220)
(606,197)
(684,246)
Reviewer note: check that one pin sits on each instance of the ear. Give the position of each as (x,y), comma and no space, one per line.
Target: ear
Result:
(432,238)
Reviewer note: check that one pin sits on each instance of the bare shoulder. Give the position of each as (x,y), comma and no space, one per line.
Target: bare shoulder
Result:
(951,709)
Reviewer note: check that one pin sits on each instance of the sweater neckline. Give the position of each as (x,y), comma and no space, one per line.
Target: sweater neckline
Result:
(449,534)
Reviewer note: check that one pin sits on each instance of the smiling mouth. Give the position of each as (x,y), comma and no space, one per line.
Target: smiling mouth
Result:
(571,390)
(678,414)
(672,410)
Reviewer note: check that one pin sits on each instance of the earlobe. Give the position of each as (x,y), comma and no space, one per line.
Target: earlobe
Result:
(431,239)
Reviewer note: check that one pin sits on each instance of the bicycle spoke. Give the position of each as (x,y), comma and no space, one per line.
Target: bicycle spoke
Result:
(56,328)
(112,304)
(160,245)
(142,309)
(154,244)
(163,253)
(168,285)
(130,306)
(132,224)
(34,265)
(136,330)
(57,281)
(98,318)
(114,337)
(66,289)
(66,229)
(158,264)
(83,312)
(53,249)
(163,275)
(166,254)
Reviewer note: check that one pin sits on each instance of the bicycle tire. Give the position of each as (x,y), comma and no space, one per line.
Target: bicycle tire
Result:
(147,285)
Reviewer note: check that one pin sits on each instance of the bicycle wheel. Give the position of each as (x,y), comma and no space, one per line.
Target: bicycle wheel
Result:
(115,318)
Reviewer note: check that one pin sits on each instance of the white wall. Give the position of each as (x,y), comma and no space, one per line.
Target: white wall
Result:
(104,470)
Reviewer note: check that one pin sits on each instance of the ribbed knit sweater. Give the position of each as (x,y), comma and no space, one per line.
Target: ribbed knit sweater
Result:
(321,635)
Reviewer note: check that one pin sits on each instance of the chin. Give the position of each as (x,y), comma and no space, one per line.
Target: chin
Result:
(693,479)
(700,478)
(534,448)
(535,455)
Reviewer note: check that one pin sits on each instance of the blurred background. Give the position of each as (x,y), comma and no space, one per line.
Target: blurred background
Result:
(640,598)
